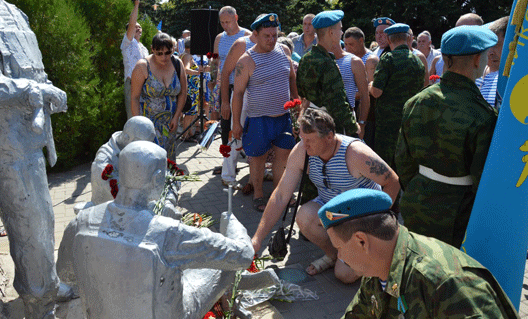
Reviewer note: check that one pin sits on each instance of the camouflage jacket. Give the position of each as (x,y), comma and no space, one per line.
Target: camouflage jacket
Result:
(430,279)
(320,82)
(400,75)
(447,127)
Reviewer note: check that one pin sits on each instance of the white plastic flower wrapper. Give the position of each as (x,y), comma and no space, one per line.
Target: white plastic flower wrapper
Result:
(284,291)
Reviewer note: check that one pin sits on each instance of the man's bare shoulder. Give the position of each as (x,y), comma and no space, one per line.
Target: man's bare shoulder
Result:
(373,59)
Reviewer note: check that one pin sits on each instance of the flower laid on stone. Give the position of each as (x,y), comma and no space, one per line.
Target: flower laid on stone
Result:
(198,220)
(107,171)
(434,77)
(174,169)
(114,189)
(291,104)
(173,178)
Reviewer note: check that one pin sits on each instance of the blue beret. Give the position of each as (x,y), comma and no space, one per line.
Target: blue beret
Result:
(352,204)
(269,20)
(467,40)
(327,18)
(382,21)
(397,28)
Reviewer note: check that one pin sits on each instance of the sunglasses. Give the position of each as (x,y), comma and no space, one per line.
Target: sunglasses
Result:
(325,177)
(159,53)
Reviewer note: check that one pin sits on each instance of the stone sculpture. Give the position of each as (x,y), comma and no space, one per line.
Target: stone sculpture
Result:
(27,99)
(130,263)
(137,128)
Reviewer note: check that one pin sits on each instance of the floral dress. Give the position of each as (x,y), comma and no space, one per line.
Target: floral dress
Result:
(193,85)
(159,104)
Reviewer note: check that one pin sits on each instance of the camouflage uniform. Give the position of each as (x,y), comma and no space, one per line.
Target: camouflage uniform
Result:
(400,74)
(448,128)
(429,279)
(319,81)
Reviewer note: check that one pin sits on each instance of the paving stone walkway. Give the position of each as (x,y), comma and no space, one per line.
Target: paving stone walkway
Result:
(209,196)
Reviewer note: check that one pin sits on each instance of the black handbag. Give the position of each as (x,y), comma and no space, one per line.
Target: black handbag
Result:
(188,101)
(278,243)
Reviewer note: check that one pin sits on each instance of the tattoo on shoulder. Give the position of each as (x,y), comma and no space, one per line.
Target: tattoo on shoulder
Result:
(377,167)
(239,67)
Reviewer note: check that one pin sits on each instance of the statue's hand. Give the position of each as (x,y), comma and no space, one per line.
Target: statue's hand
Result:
(54,98)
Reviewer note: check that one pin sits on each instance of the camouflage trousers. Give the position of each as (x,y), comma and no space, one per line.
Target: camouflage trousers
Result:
(437,209)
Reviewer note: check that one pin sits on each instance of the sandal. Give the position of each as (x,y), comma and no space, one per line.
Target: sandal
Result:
(320,265)
(217,170)
(247,189)
(258,203)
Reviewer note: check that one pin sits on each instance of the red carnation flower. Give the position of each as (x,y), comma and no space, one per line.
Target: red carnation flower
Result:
(171,166)
(434,77)
(209,315)
(114,189)
(105,175)
(225,150)
(209,55)
(215,55)
(179,172)
(296,102)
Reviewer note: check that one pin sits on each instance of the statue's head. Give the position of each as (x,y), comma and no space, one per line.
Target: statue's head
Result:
(137,128)
(20,57)
(142,166)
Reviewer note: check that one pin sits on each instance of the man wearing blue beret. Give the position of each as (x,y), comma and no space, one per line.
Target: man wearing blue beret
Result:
(266,72)
(380,24)
(406,275)
(318,77)
(399,75)
(444,139)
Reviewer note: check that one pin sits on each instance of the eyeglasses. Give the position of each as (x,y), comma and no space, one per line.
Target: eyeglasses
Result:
(159,53)
(325,177)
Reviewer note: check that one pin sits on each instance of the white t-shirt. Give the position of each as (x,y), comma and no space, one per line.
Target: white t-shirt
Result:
(132,51)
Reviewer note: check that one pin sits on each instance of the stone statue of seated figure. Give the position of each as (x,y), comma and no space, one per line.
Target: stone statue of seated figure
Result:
(137,128)
(130,263)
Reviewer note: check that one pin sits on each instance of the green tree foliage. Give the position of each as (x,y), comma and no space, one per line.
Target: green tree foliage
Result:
(434,16)
(176,15)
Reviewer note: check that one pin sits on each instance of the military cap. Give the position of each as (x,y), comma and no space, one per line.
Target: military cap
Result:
(467,40)
(266,21)
(382,21)
(397,28)
(352,204)
(327,18)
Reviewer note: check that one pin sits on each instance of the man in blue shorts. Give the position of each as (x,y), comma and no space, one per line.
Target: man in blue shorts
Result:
(266,72)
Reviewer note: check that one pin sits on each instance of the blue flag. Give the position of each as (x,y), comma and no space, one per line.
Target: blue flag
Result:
(497,233)
(159,25)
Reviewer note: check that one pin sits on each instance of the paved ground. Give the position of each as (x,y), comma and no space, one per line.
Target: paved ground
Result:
(207,196)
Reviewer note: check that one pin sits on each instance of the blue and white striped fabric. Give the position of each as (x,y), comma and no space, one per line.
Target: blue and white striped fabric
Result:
(269,85)
(249,43)
(365,57)
(225,43)
(488,87)
(348,77)
(337,177)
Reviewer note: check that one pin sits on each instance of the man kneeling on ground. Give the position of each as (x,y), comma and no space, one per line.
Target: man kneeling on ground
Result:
(336,164)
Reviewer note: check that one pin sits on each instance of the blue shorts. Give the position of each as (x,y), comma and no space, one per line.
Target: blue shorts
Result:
(260,133)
